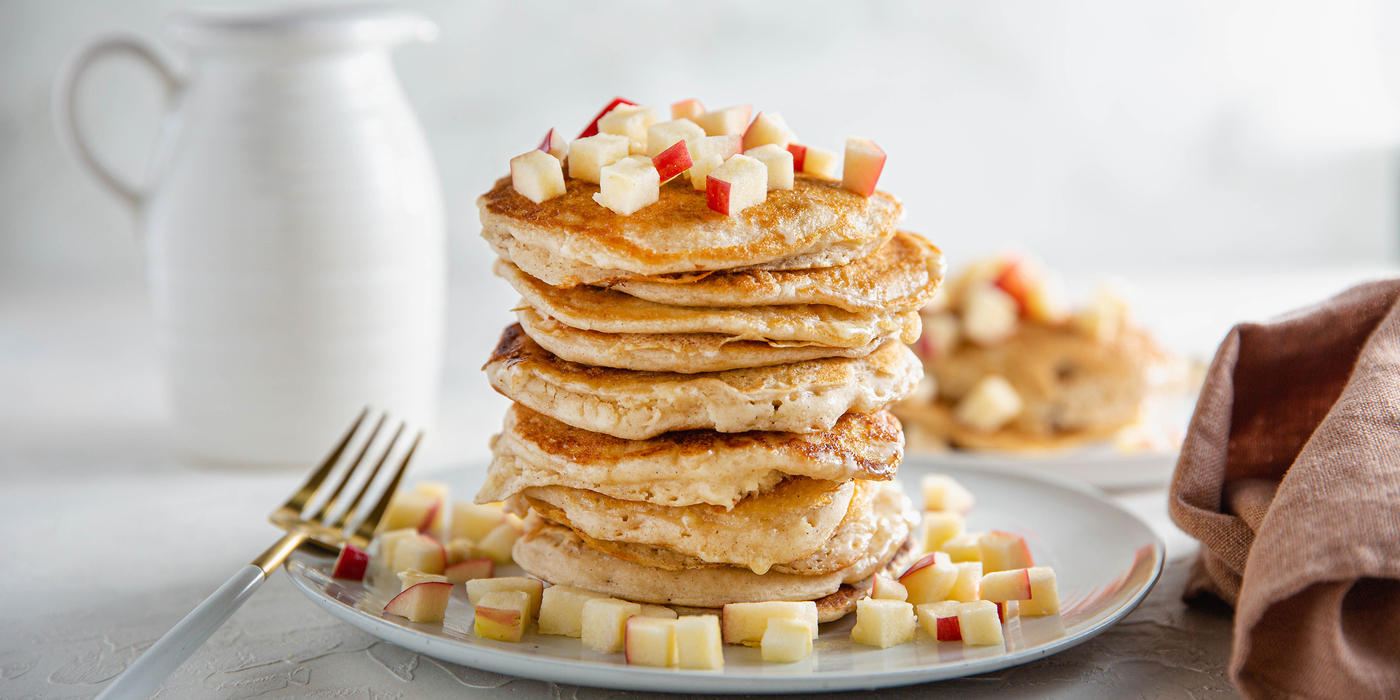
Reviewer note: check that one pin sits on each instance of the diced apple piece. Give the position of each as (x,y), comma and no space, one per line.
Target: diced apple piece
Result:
(709,153)
(991,403)
(658,611)
(628,185)
(555,144)
(886,588)
(883,623)
(786,640)
(989,315)
(687,109)
(588,156)
(768,128)
(470,570)
(938,527)
(435,521)
(724,122)
(502,615)
(472,521)
(534,588)
(778,162)
(1045,593)
(381,549)
(421,553)
(561,611)
(941,334)
(350,564)
(672,162)
(663,135)
(965,547)
(412,509)
(1104,317)
(738,184)
(979,624)
(604,622)
(941,620)
(592,127)
(929,580)
(630,121)
(1003,551)
(498,542)
(411,578)
(537,176)
(863,165)
(944,493)
(744,623)
(425,602)
(1008,610)
(650,641)
(820,162)
(799,156)
(698,643)
(1000,586)
(966,588)
(460,550)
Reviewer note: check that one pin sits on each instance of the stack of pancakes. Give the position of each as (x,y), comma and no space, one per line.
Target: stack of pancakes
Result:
(699,399)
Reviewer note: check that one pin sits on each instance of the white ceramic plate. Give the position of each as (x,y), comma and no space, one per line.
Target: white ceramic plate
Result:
(1105,559)
(1102,466)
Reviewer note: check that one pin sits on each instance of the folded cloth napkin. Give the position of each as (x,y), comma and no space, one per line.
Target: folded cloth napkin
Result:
(1290,478)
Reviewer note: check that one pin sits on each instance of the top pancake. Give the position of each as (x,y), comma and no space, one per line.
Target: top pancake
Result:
(817,222)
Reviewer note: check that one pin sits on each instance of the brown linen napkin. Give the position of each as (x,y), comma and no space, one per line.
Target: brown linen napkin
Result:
(1290,478)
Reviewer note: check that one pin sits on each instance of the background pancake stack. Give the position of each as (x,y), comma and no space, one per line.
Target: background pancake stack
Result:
(699,399)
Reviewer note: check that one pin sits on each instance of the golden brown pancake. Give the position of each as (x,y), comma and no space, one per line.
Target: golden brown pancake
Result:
(798,397)
(818,223)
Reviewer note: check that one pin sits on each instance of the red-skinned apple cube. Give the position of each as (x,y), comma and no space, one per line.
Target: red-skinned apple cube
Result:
(1008,610)
(929,580)
(663,135)
(534,588)
(1045,593)
(863,165)
(709,153)
(350,564)
(470,570)
(1017,280)
(978,624)
(687,109)
(411,509)
(588,156)
(672,162)
(650,641)
(409,579)
(779,163)
(1002,586)
(820,162)
(592,128)
(799,156)
(741,182)
(425,602)
(941,620)
(1003,551)
(502,616)
(768,128)
(628,185)
(724,122)
(555,144)
(630,121)
(538,177)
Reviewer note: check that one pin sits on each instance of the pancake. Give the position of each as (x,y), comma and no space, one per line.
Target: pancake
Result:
(818,223)
(685,467)
(903,274)
(556,554)
(685,353)
(799,397)
(606,311)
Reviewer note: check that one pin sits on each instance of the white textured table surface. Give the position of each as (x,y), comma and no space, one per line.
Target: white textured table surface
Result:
(106,540)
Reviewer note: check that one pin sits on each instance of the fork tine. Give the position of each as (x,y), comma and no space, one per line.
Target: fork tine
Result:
(298,500)
(349,512)
(365,530)
(349,472)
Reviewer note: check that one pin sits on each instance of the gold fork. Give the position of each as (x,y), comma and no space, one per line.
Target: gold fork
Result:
(142,678)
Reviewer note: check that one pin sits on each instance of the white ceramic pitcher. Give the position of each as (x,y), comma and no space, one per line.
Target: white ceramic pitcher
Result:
(292,224)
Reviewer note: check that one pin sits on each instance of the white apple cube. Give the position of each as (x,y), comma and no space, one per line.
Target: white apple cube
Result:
(687,109)
(698,644)
(350,564)
(411,509)
(741,182)
(501,615)
(768,128)
(1045,593)
(534,588)
(1003,551)
(944,493)
(471,521)
(604,623)
(425,602)
(1104,317)
(663,135)
(658,611)
(724,122)
(886,588)
(709,153)
(460,550)
(979,624)
(561,610)
(537,176)
(628,185)
(744,623)
(938,527)
(929,580)
(883,623)
(630,121)
(820,162)
(650,641)
(555,144)
(940,620)
(498,542)
(967,587)
(942,331)
(469,570)
(966,547)
(588,156)
(989,314)
(863,163)
(1000,586)
(990,404)
(779,164)
(420,553)
(409,579)
(786,640)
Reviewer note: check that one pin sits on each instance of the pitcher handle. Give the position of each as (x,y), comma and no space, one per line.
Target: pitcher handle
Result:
(64,111)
